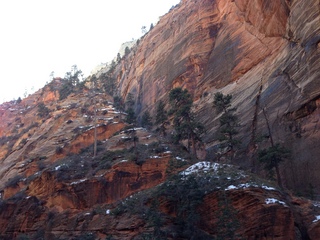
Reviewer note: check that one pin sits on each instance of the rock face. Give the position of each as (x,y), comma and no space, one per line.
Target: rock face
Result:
(265,54)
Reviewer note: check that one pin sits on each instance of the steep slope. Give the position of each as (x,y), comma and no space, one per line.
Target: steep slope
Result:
(265,54)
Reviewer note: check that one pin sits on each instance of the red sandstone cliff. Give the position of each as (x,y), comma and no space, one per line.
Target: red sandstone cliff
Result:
(266,54)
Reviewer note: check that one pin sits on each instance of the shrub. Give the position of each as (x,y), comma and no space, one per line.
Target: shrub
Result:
(43,111)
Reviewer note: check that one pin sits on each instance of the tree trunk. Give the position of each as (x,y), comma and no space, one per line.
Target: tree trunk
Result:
(193,142)
(279,177)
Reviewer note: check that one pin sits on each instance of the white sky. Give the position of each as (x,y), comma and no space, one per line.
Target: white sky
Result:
(41,36)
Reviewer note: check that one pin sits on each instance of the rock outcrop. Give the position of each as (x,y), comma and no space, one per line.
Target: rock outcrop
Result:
(265,54)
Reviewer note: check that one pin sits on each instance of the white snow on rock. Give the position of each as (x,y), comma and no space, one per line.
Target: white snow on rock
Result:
(231,187)
(57,167)
(248,185)
(268,188)
(317,219)
(201,166)
(77,182)
(274,201)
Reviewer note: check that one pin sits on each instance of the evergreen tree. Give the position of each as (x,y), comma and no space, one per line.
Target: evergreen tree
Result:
(146,120)
(126,51)
(227,223)
(228,120)
(129,101)
(151,26)
(185,124)
(131,117)
(43,111)
(118,57)
(108,83)
(274,155)
(161,118)
(71,82)
(271,158)
(118,104)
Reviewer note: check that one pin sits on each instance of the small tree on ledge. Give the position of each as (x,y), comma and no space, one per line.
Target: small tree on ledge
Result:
(185,123)
(272,157)
(228,120)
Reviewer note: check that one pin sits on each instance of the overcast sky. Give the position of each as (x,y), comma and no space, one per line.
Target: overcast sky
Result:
(41,36)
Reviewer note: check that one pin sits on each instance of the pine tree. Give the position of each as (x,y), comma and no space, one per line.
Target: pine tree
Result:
(228,120)
(185,124)
(43,111)
(272,157)
(161,118)
(146,120)
(118,104)
(131,116)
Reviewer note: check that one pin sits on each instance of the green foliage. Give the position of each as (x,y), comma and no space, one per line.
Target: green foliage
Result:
(65,90)
(161,118)
(118,57)
(118,103)
(71,82)
(151,26)
(43,111)
(228,120)
(131,116)
(272,157)
(185,123)
(146,120)
(184,195)
(227,223)
(127,51)
(108,83)
(129,101)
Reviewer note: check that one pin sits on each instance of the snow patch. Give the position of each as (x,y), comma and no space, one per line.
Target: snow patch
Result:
(231,187)
(248,185)
(77,182)
(180,159)
(57,167)
(201,166)
(154,157)
(317,218)
(273,201)
(108,211)
(268,188)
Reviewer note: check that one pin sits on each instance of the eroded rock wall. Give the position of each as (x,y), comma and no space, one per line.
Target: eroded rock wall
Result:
(266,54)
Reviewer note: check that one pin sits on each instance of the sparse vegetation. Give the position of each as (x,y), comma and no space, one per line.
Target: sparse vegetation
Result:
(71,82)
(185,123)
(272,158)
(146,120)
(161,118)
(43,111)
(228,122)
